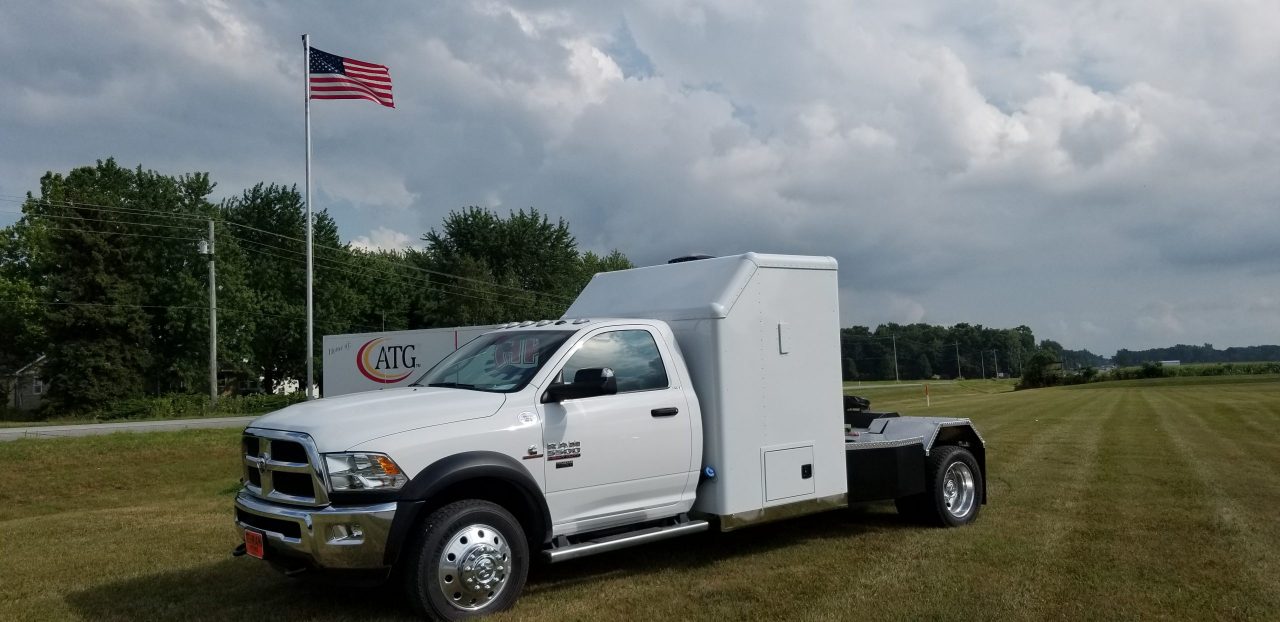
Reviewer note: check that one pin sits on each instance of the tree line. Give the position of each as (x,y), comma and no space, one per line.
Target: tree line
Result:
(101,274)
(1198,354)
(921,351)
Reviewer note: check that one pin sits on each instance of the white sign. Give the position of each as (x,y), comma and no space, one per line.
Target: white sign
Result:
(371,361)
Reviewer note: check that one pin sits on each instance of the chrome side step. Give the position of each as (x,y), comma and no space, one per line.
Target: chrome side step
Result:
(624,540)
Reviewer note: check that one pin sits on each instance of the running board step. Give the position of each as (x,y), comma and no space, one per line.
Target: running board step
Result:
(622,541)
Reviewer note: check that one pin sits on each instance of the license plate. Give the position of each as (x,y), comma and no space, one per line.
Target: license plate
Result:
(253,543)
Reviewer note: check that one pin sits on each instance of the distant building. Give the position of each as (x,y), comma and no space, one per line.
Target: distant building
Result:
(1170,363)
(25,387)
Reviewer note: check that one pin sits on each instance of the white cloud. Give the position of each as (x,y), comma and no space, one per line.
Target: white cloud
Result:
(382,238)
(1103,173)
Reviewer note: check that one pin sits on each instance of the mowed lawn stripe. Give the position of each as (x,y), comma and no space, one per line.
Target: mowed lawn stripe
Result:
(1107,503)
(1028,523)
(1251,418)
(116,470)
(1061,483)
(1000,555)
(1142,549)
(1243,485)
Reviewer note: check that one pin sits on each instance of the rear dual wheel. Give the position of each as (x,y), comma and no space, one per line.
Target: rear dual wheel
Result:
(953,489)
(470,559)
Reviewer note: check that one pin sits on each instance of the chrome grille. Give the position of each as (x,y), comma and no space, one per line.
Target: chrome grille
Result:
(284,467)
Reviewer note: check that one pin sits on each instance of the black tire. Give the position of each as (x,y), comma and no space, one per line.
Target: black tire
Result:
(933,506)
(936,505)
(471,530)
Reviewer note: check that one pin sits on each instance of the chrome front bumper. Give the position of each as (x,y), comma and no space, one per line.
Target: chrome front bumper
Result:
(349,537)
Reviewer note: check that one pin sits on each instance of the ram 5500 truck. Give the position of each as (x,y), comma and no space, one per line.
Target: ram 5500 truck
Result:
(668,400)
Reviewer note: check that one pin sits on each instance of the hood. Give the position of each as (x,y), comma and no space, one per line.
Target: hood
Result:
(337,423)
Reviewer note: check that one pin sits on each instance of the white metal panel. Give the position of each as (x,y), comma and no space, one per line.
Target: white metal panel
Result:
(784,473)
(706,288)
(370,361)
(725,314)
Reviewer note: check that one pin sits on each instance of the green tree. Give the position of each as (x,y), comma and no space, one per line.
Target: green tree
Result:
(22,336)
(591,264)
(389,293)
(925,349)
(1041,369)
(111,253)
(268,223)
(486,268)
(97,326)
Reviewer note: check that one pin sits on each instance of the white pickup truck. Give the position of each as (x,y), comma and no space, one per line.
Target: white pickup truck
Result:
(669,400)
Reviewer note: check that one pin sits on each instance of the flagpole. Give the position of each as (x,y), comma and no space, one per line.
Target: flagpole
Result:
(306,89)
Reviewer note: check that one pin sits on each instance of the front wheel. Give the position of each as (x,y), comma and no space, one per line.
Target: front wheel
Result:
(470,559)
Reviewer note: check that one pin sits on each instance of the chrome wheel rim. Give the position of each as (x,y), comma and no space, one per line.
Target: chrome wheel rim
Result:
(473,567)
(959,490)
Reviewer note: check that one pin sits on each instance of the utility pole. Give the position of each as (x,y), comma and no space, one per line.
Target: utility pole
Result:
(996,355)
(895,359)
(982,362)
(959,376)
(213,319)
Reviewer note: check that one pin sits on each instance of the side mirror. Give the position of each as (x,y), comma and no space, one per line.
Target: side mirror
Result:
(589,382)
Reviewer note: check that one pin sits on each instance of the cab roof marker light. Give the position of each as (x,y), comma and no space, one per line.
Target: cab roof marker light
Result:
(542,322)
(581,320)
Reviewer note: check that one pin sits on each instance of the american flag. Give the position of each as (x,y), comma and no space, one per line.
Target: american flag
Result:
(335,77)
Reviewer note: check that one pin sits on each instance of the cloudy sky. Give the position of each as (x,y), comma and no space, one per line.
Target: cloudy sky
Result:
(1107,173)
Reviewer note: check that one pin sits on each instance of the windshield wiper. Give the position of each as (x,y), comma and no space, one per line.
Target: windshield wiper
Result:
(452,385)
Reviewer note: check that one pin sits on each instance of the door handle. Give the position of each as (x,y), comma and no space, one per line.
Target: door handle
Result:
(665,412)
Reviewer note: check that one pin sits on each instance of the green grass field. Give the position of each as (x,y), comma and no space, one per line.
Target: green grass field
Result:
(1151,499)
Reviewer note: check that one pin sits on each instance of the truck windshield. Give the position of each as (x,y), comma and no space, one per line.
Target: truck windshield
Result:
(501,362)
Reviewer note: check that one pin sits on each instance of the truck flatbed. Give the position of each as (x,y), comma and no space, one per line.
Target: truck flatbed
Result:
(883,451)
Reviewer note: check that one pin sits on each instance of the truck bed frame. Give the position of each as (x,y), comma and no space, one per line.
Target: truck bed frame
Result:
(885,453)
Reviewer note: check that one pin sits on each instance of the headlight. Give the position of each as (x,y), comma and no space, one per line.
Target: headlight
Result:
(363,471)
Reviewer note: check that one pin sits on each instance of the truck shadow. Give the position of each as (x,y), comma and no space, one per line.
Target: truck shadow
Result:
(710,548)
(234,589)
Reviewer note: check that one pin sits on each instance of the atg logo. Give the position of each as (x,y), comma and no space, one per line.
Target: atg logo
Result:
(385,364)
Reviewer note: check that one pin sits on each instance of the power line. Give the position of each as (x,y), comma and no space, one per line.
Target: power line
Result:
(333,263)
(347,251)
(100,304)
(402,280)
(232,310)
(132,235)
(97,207)
(121,222)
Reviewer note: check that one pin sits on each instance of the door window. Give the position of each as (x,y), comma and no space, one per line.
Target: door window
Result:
(631,354)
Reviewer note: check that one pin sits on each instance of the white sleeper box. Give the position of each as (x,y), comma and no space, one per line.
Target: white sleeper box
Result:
(760,334)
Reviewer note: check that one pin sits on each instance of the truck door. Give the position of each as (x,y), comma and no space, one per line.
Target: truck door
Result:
(612,454)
